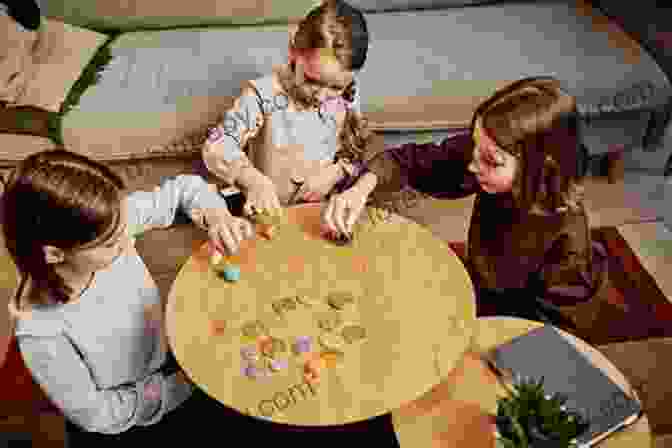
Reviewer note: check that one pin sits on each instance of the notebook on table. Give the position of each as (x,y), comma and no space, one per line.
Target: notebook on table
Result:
(544,352)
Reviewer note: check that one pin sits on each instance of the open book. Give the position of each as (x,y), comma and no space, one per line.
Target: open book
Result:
(544,352)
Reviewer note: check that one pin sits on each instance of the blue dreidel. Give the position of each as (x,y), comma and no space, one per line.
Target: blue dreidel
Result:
(231,273)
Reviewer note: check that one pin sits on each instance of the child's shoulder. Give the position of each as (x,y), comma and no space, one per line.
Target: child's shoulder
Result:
(34,316)
(268,88)
(38,321)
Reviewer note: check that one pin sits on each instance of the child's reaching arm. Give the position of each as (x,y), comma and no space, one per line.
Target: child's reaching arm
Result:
(184,193)
(193,196)
(223,153)
(66,380)
(437,170)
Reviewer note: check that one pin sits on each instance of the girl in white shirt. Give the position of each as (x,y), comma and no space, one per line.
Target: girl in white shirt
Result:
(298,134)
(89,319)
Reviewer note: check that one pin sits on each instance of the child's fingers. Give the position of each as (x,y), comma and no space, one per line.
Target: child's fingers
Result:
(224,236)
(277,208)
(248,229)
(339,214)
(352,217)
(235,230)
(248,208)
(312,196)
(327,215)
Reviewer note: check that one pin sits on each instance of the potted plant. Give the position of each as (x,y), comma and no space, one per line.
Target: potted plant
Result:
(529,418)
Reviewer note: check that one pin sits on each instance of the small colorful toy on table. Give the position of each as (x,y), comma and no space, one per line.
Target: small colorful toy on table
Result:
(223,266)
(265,223)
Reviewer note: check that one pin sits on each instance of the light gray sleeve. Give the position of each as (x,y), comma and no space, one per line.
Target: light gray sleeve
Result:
(223,152)
(231,134)
(66,380)
(158,208)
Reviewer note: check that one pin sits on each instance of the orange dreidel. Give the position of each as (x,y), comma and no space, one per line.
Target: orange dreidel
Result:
(267,231)
(313,366)
(264,223)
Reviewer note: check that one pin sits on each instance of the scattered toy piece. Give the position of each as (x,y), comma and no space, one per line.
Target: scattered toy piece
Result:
(249,353)
(329,321)
(302,344)
(312,370)
(253,329)
(332,358)
(271,346)
(332,341)
(267,231)
(231,273)
(277,364)
(353,333)
(340,299)
(218,327)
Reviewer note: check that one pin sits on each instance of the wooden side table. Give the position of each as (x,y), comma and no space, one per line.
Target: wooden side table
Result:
(459,411)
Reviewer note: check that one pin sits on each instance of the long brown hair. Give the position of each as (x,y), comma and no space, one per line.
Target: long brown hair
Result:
(536,120)
(340,27)
(61,199)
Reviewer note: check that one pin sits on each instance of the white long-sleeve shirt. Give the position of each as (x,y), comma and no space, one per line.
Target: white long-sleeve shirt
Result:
(95,357)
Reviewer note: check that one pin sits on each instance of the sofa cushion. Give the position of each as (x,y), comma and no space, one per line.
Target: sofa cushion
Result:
(488,46)
(68,50)
(143,14)
(163,89)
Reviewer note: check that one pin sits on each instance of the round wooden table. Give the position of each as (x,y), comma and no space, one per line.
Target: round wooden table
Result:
(411,293)
(459,409)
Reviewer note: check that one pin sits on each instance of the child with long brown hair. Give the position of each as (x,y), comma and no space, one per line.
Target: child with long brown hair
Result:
(89,318)
(529,244)
(298,134)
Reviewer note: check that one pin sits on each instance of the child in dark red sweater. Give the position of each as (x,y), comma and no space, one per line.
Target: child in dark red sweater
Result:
(529,242)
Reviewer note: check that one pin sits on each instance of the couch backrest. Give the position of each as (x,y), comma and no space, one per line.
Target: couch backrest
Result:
(135,14)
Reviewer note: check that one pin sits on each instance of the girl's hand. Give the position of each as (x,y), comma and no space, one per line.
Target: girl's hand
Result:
(317,187)
(226,231)
(262,195)
(343,209)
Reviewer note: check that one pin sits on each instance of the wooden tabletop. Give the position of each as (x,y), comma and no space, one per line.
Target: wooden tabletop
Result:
(412,296)
(457,412)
